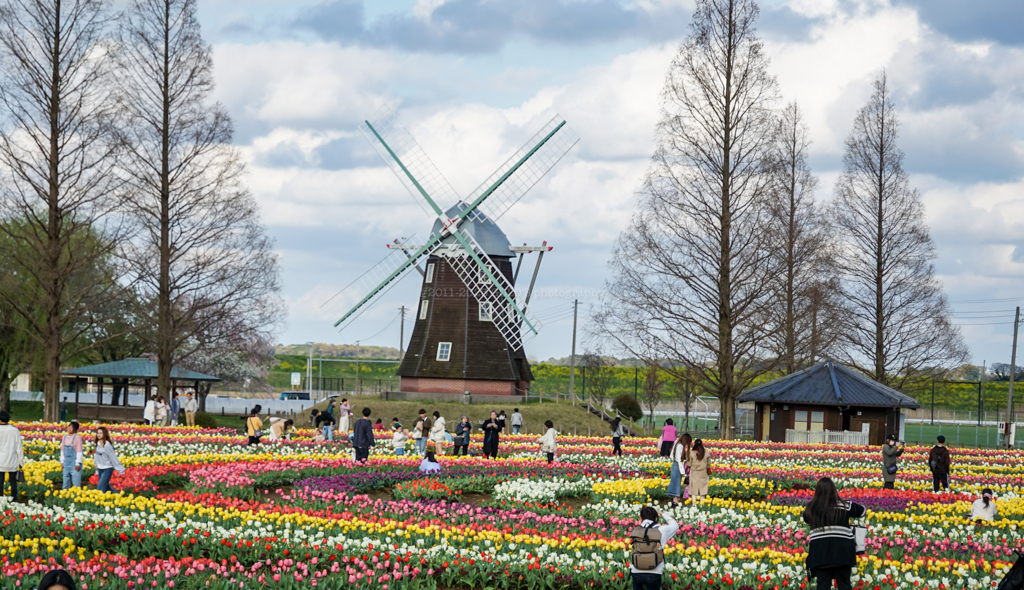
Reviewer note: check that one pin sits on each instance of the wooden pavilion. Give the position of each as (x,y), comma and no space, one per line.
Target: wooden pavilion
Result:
(125,373)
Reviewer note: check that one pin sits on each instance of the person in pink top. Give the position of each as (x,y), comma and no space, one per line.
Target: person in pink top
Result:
(668,438)
(71,455)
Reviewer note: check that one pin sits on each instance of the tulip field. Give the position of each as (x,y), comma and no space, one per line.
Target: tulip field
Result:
(198,509)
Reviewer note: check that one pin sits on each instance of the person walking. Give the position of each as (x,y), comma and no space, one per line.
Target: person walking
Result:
(12,454)
(831,543)
(149,412)
(492,435)
(502,419)
(939,464)
(462,433)
(417,433)
(548,442)
(398,440)
(191,407)
(64,409)
(160,412)
(438,431)
(617,432)
(678,455)
(362,438)
(647,552)
(890,451)
(106,460)
(517,421)
(984,508)
(254,426)
(72,456)
(668,438)
(699,463)
(175,409)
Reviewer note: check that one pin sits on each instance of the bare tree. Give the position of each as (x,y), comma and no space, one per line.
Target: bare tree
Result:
(203,256)
(598,371)
(59,198)
(690,276)
(802,249)
(653,387)
(898,323)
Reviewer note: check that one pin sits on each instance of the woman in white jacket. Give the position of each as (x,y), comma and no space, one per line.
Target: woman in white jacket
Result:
(437,432)
(548,441)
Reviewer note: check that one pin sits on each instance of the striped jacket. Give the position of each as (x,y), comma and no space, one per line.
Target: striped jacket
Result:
(834,545)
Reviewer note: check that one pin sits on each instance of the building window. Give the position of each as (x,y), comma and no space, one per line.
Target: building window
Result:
(817,421)
(423,309)
(430,273)
(444,351)
(485,311)
(800,420)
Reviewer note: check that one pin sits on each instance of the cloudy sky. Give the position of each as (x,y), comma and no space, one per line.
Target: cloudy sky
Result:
(475,78)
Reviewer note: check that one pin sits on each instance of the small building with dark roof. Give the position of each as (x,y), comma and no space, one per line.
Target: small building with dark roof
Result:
(826,397)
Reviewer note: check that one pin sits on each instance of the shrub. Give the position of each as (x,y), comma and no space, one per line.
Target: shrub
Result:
(204,420)
(628,407)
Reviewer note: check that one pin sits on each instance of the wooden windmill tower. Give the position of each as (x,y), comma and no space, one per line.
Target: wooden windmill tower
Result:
(470,325)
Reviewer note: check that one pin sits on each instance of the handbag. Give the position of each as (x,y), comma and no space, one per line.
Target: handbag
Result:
(19,476)
(256,433)
(860,534)
(892,469)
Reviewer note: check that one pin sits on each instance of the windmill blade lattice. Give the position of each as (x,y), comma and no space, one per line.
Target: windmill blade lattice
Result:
(506,313)
(387,133)
(555,139)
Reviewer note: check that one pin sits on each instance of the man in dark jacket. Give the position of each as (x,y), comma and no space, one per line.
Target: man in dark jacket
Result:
(938,462)
(362,436)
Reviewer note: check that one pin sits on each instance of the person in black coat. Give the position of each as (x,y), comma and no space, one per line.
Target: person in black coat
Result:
(832,545)
(463,430)
(492,432)
(362,436)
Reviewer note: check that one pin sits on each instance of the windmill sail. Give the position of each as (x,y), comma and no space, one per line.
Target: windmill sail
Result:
(396,146)
(487,285)
(523,169)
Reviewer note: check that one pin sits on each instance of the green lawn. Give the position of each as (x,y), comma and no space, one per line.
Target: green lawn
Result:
(973,436)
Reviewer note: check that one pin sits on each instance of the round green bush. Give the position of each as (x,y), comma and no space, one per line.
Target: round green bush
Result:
(204,420)
(628,407)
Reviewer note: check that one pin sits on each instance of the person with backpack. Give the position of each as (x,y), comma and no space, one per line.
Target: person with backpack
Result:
(890,451)
(617,433)
(939,463)
(647,555)
(832,542)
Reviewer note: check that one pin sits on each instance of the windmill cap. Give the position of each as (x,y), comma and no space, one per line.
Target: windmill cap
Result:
(484,231)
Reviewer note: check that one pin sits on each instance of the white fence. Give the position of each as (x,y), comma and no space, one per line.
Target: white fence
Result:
(826,437)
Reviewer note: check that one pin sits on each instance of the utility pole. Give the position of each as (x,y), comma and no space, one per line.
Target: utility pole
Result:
(1013,370)
(572,359)
(981,380)
(309,370)
(401,335)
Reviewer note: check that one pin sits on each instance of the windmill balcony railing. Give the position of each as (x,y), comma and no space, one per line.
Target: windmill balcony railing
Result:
(826,437)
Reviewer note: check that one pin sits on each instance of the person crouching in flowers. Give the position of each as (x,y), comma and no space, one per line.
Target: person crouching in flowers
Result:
(984,508)
(549,441)
(699,464)
(429,463)
(832,544)
(647,553)
(106,460)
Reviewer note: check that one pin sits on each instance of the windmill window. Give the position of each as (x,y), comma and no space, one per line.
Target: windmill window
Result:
(430,273)
(444,351)
(485,311)
(423,309)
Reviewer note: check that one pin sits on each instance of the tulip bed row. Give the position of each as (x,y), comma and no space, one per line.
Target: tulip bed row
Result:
(298,514)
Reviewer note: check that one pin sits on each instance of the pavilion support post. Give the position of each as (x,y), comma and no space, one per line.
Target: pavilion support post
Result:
(76,396)
(149,384)
(124,396)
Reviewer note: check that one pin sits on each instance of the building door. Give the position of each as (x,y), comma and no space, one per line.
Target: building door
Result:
(766,422)
(779,424)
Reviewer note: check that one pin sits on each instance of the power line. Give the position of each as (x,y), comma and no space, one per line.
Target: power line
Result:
(978,301)
(1009,323)
(395,319)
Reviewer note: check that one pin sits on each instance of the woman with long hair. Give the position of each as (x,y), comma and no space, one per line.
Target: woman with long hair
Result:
(680,451)
(699,464)
(617,432)
(106,460)
(984,508)
(832,544)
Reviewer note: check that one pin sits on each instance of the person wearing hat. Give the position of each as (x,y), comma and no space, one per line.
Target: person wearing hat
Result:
(890,451)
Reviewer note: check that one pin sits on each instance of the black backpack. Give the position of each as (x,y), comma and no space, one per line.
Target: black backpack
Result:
(1014,579)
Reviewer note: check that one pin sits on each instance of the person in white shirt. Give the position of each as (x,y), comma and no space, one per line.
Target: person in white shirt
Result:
(984,508)
(399,439)
(106,460)
(149,413)
(517,421)
(649,578)
(191,407)
(161,412)
(437,432)
(12,454)
(547,442)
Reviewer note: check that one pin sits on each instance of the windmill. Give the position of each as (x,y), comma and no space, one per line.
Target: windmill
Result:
(470,326)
